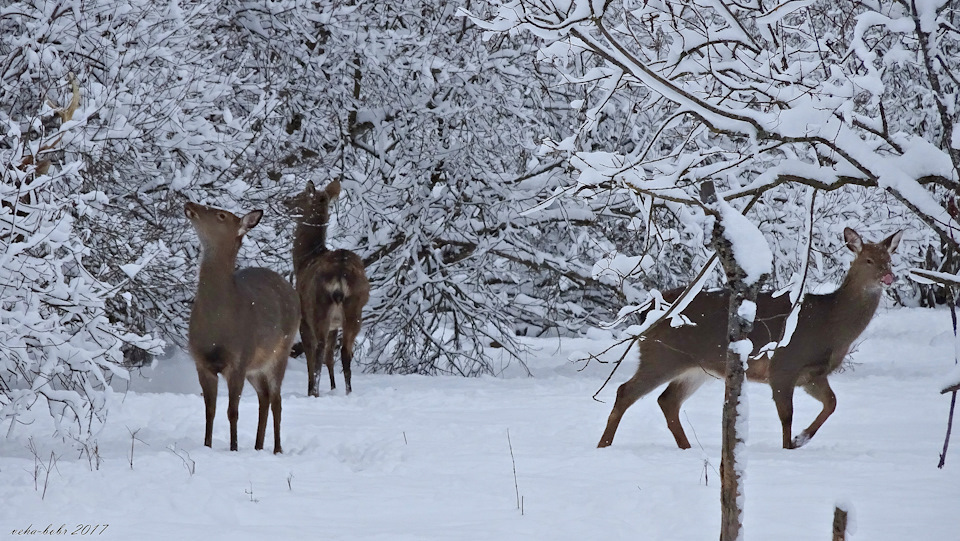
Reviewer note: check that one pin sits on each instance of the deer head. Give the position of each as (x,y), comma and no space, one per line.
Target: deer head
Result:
(872,264)
(218,228)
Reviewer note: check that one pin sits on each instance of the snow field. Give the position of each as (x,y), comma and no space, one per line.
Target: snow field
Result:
(412,457)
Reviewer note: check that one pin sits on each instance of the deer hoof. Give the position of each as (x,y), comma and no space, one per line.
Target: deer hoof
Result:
(801,440)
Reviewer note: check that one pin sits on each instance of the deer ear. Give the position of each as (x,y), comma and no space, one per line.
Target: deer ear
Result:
(893,241)
(189,212)
(853,240)
(249,221)
(310,189)
(333,189)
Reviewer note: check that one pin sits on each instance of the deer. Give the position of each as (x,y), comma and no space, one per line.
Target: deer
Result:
(332,285)
(687,356)
(242,324)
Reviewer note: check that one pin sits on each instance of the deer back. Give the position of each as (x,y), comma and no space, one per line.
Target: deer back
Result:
(827,325)
(704,342)
(331,284)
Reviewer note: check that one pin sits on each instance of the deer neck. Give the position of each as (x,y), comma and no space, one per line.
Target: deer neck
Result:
(855,303)
(215,282)
(310,238)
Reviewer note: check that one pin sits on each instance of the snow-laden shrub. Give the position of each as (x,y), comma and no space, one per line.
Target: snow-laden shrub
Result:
(59,349)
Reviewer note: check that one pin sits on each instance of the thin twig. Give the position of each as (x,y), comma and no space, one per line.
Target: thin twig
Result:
(133,440)
(50,465)
(946,440)
(516,485)
(952,388)
(188,462)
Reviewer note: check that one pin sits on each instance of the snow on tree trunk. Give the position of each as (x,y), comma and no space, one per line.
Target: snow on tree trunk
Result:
(746,261)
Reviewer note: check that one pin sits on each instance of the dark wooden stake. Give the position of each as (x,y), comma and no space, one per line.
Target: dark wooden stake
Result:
(839,524)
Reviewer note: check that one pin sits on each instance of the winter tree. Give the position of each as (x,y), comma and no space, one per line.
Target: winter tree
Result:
(60,348)
(764,100)
(469,234)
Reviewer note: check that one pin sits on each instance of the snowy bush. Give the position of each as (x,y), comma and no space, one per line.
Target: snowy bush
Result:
(469,234)
(60,350)
(473,229)
(796,112)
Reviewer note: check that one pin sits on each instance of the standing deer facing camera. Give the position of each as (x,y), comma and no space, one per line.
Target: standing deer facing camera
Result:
(332,284)
(242,324)
(686,356)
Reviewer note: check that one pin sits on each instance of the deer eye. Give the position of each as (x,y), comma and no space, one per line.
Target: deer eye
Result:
(221,216)
(870,261)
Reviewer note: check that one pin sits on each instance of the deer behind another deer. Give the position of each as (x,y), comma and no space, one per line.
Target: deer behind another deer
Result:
(242,324)
(687,356)
(332,285)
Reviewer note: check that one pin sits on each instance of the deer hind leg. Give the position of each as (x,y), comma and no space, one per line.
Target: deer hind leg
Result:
(328,343)
(673,397)
(820,389)
(310,350)
(351,327)
(651,374)
(208,385)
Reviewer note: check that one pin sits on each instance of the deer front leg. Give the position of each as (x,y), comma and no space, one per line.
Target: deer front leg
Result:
(820,389)
(208,386)
(276,408)
(783,398)
(273,385)
(234,387)
(263,396)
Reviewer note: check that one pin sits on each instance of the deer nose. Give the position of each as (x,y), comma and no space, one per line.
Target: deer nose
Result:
(888,278)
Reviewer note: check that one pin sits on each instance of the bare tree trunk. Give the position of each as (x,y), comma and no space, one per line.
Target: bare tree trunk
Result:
(738,328)
(730,490)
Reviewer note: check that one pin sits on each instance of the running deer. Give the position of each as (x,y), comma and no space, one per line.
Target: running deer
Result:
(686,356)
(242,324)
(332,284)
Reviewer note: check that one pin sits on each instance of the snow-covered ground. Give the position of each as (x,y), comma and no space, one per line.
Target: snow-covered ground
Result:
(408,457)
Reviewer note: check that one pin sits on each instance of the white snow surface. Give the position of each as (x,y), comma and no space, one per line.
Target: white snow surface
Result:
(426,458)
